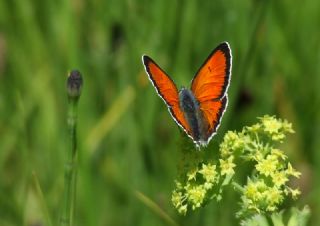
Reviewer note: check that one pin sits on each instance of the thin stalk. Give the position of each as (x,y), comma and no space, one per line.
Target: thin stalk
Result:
(70,171)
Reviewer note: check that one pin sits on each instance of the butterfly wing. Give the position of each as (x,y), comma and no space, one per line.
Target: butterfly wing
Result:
(210,85)
(212,112)
(167,90)
(212,79)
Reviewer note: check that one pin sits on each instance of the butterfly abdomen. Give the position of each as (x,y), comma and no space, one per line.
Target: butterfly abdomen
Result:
(190,108)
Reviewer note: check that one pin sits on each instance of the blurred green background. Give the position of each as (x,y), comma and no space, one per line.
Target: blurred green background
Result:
(127,140)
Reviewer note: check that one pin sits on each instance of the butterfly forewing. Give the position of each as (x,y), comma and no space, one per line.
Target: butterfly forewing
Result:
(167,90)
(212,79)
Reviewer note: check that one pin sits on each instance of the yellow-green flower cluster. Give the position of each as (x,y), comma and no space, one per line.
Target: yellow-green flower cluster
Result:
(275,128)
(196,189)
(258,196)
(233,142)
(201,181)
(266,187)
(227,166)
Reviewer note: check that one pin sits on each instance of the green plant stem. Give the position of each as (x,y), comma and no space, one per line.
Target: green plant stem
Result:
(70,170)
(237,187)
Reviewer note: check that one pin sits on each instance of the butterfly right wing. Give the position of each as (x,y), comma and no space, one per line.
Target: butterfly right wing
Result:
(210,85)
(212,79)
(167,90)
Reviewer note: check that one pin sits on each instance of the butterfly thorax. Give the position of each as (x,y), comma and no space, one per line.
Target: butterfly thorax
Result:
(193,114)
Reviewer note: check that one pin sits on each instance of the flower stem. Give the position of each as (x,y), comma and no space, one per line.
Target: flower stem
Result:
(70,171)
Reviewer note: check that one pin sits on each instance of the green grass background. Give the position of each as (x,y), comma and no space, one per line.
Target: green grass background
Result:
(127,140)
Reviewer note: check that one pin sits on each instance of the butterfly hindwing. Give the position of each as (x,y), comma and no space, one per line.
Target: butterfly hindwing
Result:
(212,79)
(212,112)
(167,90)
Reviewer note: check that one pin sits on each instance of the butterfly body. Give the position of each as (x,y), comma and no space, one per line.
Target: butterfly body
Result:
(198,110)
(193,115)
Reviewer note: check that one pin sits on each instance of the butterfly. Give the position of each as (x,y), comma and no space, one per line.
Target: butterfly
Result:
(198,110)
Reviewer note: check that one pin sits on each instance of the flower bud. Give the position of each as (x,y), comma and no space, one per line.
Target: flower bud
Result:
(74,84)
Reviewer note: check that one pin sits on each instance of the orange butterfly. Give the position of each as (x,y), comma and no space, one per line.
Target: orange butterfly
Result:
(198,111)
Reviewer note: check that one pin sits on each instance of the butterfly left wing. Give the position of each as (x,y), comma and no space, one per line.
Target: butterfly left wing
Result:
(167,90)
(210,85)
